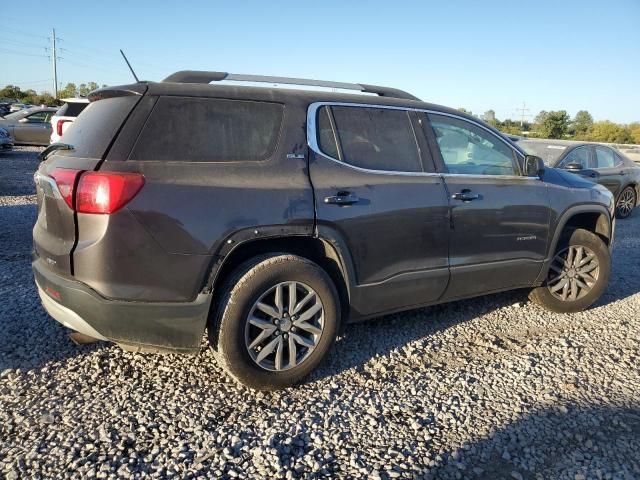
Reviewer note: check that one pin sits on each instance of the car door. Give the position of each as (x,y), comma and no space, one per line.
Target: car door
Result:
(611,172)
(584,156)
(377,196)
(499,218)
(33,129)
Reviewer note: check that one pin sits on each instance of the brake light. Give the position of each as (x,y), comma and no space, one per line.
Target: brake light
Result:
(106,192)
(59,126)
(97,192)
(65,179)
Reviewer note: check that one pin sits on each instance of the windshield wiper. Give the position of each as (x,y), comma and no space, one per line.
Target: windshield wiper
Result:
(52,148)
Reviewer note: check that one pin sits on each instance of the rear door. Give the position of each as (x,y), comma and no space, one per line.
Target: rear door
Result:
(378,196)
(611,172)
(54,233)
(499,218)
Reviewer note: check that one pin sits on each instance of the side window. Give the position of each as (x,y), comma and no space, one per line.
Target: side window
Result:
(39,117)
(605,158)
(579,155)
(377,138)
(327,140)
(469,149)
(195,129)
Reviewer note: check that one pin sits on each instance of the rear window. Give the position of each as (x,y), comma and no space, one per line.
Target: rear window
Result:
(94,129)
(71,109)
(209,130)
(377,138)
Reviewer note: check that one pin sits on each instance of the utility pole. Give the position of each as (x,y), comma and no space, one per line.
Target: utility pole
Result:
(54,59)
(522,113)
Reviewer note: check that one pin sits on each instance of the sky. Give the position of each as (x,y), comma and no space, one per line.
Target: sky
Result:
(479,55)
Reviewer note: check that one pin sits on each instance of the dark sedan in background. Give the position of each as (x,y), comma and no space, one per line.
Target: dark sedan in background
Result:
(30,126)
(599,163)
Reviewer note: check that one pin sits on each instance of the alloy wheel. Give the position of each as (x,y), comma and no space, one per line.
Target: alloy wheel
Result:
(284,326)
(573,273)
(626,202)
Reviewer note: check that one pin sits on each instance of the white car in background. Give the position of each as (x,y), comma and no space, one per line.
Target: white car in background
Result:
(66,115)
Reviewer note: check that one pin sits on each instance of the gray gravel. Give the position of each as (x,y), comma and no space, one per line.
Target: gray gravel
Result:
(488,388)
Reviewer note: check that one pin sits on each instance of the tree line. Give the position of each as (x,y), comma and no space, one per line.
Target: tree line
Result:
(559,125)
(30,96)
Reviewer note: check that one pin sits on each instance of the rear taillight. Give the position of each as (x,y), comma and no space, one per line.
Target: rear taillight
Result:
(65,179)
(106,192)
(59,126)
(97,192)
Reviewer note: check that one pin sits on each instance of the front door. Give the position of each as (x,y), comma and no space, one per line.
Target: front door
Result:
(376,193)
(499,218)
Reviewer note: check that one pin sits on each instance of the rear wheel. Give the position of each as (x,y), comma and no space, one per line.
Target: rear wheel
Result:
(277,320)
(578,274)
(626,202)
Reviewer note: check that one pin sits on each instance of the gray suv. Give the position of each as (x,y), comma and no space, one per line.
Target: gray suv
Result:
(269,217)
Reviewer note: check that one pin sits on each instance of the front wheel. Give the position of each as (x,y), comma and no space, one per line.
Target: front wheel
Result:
(578,274)
(277,320)
(626,203)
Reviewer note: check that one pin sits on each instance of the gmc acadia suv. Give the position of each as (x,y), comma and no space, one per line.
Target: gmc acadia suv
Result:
(269,216)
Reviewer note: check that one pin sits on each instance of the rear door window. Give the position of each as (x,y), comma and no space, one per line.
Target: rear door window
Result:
(209,130)
(374,138)
(605,158)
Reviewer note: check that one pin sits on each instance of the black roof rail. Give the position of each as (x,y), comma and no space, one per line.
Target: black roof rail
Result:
(198,76)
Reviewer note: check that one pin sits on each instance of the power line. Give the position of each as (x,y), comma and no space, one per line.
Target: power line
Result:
(20,43)
(23,32)
(6,50)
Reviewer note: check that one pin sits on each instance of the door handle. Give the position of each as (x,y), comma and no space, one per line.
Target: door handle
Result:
(342,198)
(465,195)
(621,173)
(594,174)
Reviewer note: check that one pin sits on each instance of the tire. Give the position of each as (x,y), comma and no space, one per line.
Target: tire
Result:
(251,289)
(570,242)
(626,202)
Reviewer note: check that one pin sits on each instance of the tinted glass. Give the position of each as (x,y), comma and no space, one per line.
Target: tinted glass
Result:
(579,155)
(94,129)
(469,149)
(377,138)
(605,158)
(71,109)
(39,117)
(326,137)
(209,130)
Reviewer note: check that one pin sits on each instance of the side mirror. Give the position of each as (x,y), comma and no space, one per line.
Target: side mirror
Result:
(573,167)
(533,166)
(23,120)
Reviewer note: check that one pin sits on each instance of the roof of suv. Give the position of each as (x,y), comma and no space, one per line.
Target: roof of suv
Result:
(196,84)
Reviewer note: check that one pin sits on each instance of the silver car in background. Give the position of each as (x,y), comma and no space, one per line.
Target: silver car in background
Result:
(30,126)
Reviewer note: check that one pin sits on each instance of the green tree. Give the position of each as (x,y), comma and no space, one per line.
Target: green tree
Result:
(634,130)
(582,122)
(609,132)
(12,92)
(68,92)
(552,124)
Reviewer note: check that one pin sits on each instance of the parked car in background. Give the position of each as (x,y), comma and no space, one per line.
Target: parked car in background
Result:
(30,126)
(5,108)
(65,116)
(6,142)
(599,163)
(177,206)
(16,107)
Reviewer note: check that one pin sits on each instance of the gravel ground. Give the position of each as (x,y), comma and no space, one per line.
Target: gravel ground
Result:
(488,388)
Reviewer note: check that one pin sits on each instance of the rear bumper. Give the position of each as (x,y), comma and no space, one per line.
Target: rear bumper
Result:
(143,326)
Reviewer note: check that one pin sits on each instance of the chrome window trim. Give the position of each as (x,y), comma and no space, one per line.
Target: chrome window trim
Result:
(312,141)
